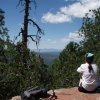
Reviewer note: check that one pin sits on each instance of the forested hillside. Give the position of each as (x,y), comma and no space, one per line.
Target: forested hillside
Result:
(49,57)
(21,68)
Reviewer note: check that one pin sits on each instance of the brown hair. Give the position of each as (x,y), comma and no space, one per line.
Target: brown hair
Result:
(90,68)
(89,61)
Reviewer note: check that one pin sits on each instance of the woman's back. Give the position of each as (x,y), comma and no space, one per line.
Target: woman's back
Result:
(90,80)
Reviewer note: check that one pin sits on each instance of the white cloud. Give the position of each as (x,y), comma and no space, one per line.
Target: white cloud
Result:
(65,40)
(72,36)
(75,36)
(74,10)
(56,18)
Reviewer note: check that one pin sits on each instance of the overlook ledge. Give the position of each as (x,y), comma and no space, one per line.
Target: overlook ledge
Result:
(70,94)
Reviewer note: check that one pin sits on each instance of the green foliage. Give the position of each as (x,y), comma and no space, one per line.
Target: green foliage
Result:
(64,68)
(14,76)
(91,31)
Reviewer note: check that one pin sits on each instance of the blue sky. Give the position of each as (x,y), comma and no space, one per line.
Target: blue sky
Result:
(60,20)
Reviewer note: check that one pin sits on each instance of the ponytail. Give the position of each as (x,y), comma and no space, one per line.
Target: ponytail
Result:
(90,68)
(89,59)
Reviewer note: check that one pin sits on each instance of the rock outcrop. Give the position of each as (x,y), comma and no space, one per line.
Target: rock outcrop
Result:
(72,94)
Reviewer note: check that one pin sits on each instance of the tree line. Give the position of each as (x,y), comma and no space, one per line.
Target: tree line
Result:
(21,68)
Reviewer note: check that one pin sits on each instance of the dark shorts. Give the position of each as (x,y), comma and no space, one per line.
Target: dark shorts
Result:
(81,89)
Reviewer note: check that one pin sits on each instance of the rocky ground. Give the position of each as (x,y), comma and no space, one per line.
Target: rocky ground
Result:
(70,94)
(74,94)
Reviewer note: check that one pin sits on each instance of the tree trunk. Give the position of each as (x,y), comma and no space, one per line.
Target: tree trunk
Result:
(25,33)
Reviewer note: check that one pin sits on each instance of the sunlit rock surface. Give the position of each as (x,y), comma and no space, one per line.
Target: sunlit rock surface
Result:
(70,94)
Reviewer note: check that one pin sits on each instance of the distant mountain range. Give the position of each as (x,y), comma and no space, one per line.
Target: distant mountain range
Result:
(48,55)
(48,50)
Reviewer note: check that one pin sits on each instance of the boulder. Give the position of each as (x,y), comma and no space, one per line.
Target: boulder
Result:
(16,98)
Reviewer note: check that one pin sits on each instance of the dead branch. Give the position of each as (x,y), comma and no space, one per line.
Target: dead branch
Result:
(32,38)
(19,34)
(34,24)
(31,35)
(36,36)
(39,31)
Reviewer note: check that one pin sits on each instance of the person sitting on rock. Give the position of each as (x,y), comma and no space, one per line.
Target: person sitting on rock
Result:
(89,81)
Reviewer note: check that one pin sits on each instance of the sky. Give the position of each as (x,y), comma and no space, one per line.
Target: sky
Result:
(59,19)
